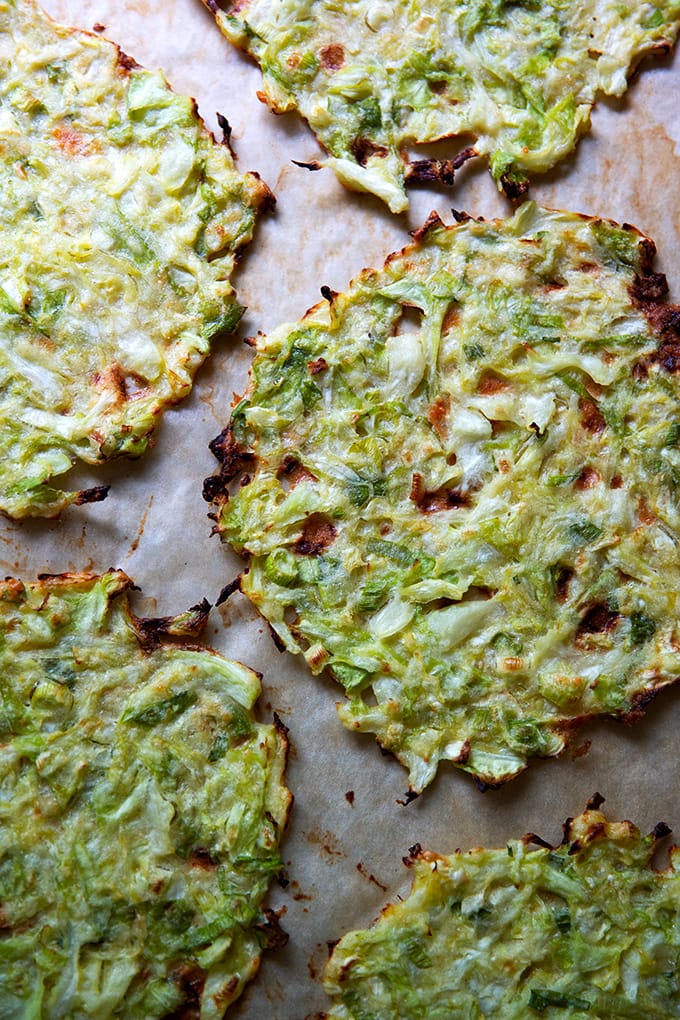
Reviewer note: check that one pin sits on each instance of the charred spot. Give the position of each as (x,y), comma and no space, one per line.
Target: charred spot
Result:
(228,450)
(650,287)
(490,383)
(289,466)
(460,216)
(226,130)
(484,785)
(125,62)
(589,267)
(349,797)
(616,482)
(316,366)
(552,285)
(363,148)
(414,852)
(317,658)
(213,488)
(409,796)
(224,995)
(200,858)
(280,726)
(190,979)
(127,385)
(514,188)
(276,638)
(588,478)
(437,413)
(562,582)
(590,415)
(417,488)
(274,937)
(437,171)
(312,164)
(94,495)
(664,319)
(317,535)
(433,222)
(332,56)
(667,354)
(639,703)
(152,631)
(661,830)
(597,831)
(463,755)
(647,250)
(451,318)
(440,499)
(598,619)
(438,87)
(295,472)
(233,458)
(431,171)
(228,591)
(648,292)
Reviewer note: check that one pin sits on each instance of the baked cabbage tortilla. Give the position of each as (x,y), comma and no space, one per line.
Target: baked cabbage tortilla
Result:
(142,807)
(372,78)
(456,485)
(587,929)
(120,221)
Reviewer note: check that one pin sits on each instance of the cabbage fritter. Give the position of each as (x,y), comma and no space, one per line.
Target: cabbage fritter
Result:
(372,77)
(458,488)
(142,808)
(587,930)
(120,219)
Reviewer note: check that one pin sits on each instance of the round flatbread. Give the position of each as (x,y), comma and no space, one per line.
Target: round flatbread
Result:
(120,220)
(142,809)
(373,78)
(457,487)
(584,930)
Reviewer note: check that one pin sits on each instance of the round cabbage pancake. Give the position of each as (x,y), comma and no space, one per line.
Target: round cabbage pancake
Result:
(458,488)
(120,220)
(142,808)
(586,930)
(372,78)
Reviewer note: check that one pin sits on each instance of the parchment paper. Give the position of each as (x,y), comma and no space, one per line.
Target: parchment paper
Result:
(343,861)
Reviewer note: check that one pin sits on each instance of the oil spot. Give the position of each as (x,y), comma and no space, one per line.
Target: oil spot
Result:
(369,876)
(327,841)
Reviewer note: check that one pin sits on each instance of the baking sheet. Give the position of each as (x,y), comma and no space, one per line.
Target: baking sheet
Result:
(343,853)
